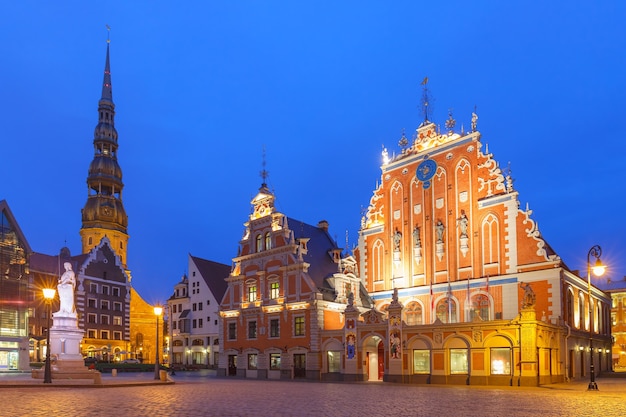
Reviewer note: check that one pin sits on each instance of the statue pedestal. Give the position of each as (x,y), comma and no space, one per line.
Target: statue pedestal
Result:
(67,360)
(65,337)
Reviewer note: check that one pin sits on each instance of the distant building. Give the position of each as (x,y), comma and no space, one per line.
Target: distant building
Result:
(102,297)
(289,285)
(16,295)
(617,290)
(194,317)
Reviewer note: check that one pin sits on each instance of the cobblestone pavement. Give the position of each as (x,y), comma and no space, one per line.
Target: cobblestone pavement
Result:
(200,395)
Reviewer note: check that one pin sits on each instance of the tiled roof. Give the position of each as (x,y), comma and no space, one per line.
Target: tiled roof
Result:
(214,274)
(319,254)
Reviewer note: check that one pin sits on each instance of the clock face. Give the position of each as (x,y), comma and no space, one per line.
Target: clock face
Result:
(107,211)
(426,170)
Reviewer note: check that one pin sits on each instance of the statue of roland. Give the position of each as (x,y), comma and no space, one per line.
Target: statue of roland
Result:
(65,288)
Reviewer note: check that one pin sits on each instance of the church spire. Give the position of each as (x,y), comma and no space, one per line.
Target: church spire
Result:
(104,214)
(107,92)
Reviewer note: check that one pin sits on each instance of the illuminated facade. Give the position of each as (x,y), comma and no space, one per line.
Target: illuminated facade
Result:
(15,294)
(194,317)
(617,290)
(289,284)
(466,289)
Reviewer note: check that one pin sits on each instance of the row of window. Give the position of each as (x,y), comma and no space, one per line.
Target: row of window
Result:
(274,291)
(104,289)
(104,334)
(178,308)
(195,323)
(104,319)
(501,359)
(274,328)
(260,240)
(104,304)
(274,361)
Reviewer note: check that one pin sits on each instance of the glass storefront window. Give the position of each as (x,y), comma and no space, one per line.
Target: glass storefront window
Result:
(458,361)
(252,361)
(500,361)
(275,361)
(334,361)
(421,361)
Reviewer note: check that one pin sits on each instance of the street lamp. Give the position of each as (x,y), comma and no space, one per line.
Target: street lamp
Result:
(157,311)
(48,295)
(597,269)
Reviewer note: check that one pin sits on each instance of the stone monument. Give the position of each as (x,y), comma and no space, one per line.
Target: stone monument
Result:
(65,335)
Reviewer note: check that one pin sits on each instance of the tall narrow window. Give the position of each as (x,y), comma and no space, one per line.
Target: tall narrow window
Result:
(446,310)
(298,326)
(268,241)
(274,328)
(274,290)
(480,307)
(252,329)
(232,331)
(259,243)
(251,293)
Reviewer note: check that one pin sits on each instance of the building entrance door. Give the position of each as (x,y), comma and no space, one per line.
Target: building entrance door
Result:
(232,365)
(299,365)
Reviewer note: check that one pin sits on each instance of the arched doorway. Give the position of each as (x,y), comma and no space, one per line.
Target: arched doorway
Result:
(374,350)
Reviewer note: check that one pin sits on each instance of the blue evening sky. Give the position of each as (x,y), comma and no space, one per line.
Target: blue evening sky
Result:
(200,87)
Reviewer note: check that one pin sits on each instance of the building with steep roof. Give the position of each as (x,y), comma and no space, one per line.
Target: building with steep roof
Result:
(288,285)
(466,289)
(193,314)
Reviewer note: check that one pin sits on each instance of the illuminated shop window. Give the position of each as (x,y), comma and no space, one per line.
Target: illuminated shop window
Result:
(500,361)
(252,361)
(421,361)
(334,361)
(458,361)
(275,361)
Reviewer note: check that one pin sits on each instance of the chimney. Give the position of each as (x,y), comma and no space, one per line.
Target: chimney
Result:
(323,224)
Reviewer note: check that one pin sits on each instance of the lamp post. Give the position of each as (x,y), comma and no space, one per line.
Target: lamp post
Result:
(157,312)
(597,269)
(48,295)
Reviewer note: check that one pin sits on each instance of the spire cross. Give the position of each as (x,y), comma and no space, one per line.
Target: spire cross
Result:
(108,33)
(264,173)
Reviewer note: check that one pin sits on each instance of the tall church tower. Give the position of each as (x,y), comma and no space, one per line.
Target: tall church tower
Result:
(104,214)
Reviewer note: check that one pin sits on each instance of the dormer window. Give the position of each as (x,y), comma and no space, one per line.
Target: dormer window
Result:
(259,243)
